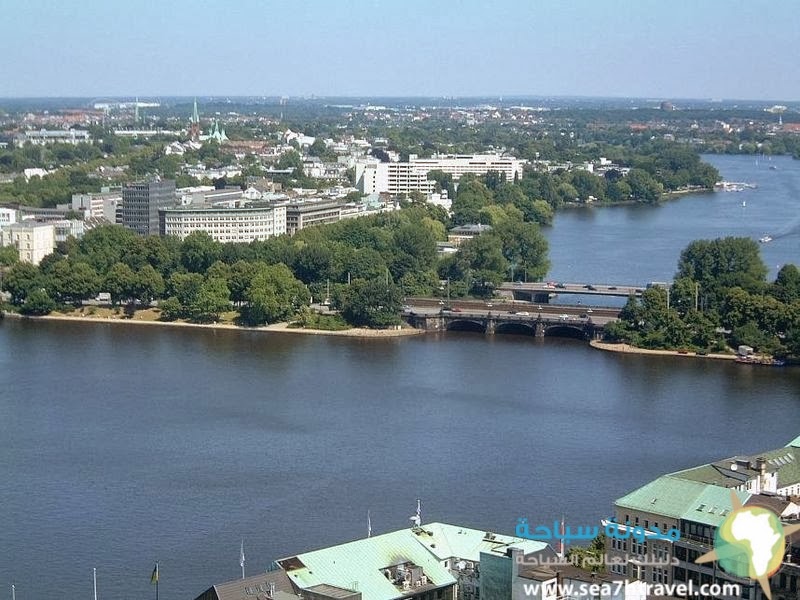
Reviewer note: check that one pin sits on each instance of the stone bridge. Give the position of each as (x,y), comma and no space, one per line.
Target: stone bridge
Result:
(491,323)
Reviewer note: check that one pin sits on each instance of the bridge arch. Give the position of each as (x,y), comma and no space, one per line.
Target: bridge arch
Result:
(466,325)
(516,328)
(570,331)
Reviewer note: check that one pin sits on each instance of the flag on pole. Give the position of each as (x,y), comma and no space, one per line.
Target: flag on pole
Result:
(154,576)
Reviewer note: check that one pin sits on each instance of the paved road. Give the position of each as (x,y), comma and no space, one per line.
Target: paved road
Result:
(521,311)
(573,288)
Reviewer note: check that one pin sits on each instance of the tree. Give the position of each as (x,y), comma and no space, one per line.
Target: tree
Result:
(74,282)
(148,284)
(524,246)
(185,287)
(482,263)
(643,187)
(20,280)
(120,282)
(8,256)
(38,303)
(273,295)
(212,299)
(723,263)
(105,246)
(787,284)
(171,309)
(471,197)
(372,304)
(199,251)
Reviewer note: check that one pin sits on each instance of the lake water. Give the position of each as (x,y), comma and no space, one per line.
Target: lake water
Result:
(121,445)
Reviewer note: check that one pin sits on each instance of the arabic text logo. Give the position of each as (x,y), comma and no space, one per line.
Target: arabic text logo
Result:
(750,543)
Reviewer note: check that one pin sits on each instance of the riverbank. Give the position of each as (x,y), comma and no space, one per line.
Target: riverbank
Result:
(628,349)
(356,332)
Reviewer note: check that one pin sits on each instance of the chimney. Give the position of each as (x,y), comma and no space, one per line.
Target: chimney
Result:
(761,465)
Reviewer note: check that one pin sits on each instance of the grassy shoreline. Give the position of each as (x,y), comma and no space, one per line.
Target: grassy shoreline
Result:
(628,349)
(275,327)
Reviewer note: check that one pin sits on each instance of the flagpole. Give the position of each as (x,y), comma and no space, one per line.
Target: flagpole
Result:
(241,558)
(94,581)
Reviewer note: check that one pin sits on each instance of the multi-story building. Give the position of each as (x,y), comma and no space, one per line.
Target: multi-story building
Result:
(696,502)
(477,164)
(32,240)
(141,202)
(8,216)
(300,215)
(373,176)
(228,225)
(103,205)
(42,137)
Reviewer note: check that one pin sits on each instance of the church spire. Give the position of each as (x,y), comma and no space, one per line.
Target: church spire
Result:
(195,115)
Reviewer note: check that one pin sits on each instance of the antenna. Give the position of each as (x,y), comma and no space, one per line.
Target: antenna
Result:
(369,525)
(417,518)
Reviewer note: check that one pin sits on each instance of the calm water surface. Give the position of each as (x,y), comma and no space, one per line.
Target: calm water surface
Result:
(120,445)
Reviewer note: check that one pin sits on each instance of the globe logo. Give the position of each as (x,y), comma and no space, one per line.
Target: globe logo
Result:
(750,543)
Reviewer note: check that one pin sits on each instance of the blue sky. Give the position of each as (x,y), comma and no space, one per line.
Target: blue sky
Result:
(667,49)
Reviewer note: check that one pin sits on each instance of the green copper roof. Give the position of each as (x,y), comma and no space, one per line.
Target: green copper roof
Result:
(451,541)
(712,505)
(795,442)
(679,498)
(359,565)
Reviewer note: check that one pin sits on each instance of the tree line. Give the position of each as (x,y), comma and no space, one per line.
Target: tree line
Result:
(364,267)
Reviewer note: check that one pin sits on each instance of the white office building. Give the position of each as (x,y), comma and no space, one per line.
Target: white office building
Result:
(103,205)
(373,176)
(227,225)
(42,137)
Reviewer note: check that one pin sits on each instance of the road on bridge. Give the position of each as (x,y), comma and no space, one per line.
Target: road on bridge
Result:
(524,311)
(572,288)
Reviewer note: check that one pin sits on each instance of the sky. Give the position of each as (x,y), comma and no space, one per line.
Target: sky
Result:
(723,49)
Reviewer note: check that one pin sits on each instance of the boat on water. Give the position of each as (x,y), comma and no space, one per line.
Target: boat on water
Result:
(758,360)
(773,167)
(766,239)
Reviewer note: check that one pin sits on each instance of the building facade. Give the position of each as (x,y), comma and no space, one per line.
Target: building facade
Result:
(696,502)
(103,205)
(227,225)
(42,137)
(32,240)
(141,203)
(373,176)
(300,215)
(8,216)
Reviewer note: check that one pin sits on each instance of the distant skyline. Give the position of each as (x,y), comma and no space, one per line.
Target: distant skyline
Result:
(737,49)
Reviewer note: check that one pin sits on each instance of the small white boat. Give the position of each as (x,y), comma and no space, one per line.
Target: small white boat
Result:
(765,239)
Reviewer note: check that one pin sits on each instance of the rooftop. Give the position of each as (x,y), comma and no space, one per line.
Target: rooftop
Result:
(374,566)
